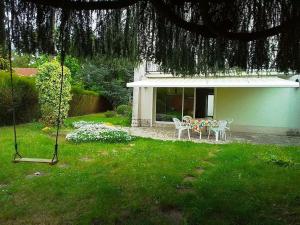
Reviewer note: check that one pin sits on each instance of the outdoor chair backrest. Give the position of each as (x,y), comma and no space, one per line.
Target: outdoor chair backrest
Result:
(222,124)
(229,121)
(187,119)
(177,123)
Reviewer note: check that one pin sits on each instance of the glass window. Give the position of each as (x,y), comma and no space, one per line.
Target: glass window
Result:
(210,105)
(168,103)
(188,102)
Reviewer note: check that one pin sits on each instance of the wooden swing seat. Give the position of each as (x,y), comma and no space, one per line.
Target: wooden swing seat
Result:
(35,160)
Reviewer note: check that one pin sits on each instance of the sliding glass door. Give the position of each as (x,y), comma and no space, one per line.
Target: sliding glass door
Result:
(168,103)
(179,102)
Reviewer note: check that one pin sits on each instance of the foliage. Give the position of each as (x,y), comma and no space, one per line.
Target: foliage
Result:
(183,38)
(87,102)
(110,114)
(108,78)
(80,91)
(30,61)
(89,132)
(48,85)
(25,99)
(4,64)
(2,29)
(124,110)
(82,123)
(73,64)
(21,60)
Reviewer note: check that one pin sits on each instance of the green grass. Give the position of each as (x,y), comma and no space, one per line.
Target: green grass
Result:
(100,117)
(143,182)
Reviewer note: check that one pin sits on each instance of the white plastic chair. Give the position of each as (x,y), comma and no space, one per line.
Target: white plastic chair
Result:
(220,130)
(229,121)
(187,119)
(180,127)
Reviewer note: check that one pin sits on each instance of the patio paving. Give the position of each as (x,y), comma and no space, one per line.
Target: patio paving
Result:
(168,133)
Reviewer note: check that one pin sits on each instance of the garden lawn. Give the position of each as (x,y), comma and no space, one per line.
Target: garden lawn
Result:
(100,117)
(147,182)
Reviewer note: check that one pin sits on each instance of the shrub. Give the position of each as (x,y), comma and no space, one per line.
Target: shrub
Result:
(124,110)
(109,114)
(108,77)
(4,64)
(81,123)
(89,132)
(48,84)
(81,91)
(25,98)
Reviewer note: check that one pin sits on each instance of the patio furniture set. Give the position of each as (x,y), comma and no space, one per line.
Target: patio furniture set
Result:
(216,127)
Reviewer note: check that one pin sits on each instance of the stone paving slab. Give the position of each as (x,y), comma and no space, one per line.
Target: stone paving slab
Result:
(167,133)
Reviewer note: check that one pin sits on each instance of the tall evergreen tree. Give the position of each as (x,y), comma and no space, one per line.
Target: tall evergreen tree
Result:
(2,28)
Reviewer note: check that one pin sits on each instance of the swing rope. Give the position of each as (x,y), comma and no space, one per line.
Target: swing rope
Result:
(62,62)
(17,156)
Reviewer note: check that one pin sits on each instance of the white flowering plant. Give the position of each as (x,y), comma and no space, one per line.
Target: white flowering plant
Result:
(82,123)
(90,132)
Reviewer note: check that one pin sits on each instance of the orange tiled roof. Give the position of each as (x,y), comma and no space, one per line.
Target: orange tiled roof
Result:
(28,72)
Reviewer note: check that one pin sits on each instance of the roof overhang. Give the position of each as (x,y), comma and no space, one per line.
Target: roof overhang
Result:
(215,82)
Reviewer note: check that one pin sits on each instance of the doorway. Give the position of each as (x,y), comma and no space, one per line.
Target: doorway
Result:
(204,102)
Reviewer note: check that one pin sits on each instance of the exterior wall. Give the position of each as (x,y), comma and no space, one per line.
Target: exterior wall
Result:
(146,112)
(139,72)
(142,103)
(266,110)
(270,110)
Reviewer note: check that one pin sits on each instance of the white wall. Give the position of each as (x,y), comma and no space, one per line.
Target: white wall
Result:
(272,110)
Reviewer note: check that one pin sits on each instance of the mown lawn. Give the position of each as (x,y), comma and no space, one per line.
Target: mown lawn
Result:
(100,117)
(147,182)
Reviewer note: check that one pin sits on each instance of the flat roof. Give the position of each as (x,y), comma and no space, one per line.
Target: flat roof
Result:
(215,82)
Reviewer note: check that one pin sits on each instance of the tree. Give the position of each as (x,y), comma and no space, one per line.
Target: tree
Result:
(2,29)
(48,84)
(108,78)
(183,36)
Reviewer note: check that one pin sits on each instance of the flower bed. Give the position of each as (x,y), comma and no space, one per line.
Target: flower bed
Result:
(90,132)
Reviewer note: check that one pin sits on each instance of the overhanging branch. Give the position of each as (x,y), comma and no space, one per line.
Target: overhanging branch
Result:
(208,30)
(81,5)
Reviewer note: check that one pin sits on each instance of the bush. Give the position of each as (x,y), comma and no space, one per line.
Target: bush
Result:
(109,114)
(108,78)
(4,64)
(48,85)
(26,99)
(124,110)
(81,91)
(89,132)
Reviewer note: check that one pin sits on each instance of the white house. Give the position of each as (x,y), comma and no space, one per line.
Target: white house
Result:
(267,104)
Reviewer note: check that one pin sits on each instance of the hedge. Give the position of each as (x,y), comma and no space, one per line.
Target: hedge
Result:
(26,99)
(82,104)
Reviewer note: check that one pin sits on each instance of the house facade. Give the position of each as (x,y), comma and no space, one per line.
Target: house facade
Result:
(260,104)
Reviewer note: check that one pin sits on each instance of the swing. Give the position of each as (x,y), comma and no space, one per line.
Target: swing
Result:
(18,158)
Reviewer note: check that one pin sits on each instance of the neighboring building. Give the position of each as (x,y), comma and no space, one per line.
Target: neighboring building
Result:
(267,104)
(26,72)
